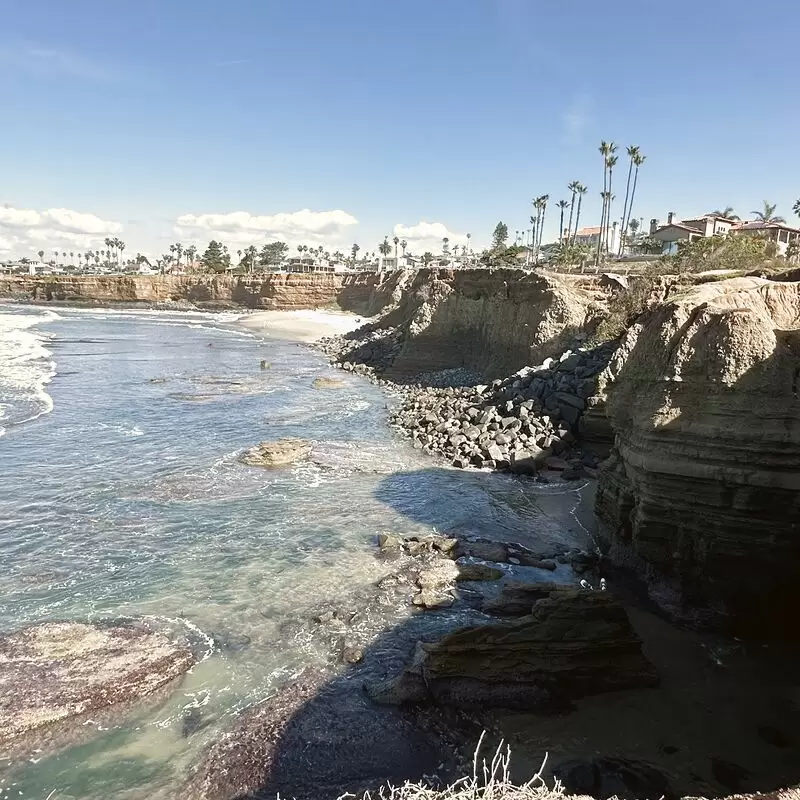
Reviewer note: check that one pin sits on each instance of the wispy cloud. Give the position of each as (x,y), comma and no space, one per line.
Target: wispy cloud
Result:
(38,59)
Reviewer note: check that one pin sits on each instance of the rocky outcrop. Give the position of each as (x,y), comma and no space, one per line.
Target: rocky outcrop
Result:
(571,644)
(276,291)
(491,322)
(703,486)
(276,454)
(52,675)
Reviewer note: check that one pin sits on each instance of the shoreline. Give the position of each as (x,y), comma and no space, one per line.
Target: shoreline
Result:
(306,325)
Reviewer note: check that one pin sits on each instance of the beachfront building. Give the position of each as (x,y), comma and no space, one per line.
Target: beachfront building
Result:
(687,230)
(591,236)
(777,232)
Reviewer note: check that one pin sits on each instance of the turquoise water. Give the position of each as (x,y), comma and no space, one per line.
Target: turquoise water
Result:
(123,497)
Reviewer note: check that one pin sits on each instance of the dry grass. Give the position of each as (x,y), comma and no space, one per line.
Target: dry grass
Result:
(489,781)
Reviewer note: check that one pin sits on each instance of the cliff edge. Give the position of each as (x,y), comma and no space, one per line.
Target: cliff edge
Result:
(702,489)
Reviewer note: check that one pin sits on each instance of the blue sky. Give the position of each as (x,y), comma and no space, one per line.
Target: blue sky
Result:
(455,112)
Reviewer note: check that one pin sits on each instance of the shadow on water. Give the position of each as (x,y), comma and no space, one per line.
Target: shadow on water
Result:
(709,729)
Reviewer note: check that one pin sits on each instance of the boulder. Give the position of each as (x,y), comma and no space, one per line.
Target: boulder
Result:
(329,383)
(478,572)
(55,674)
(604,777)
(486,551)
(572,644)
(277,453)
(516,598)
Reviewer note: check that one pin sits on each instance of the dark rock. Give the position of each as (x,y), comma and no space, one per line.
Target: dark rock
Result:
(572,644)
(728,774)
(478,572)
(605,777)
(516,598)
(486,551)
(774,736)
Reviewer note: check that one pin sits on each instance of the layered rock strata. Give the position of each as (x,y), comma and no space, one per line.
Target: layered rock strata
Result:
(571,644)
(703,486)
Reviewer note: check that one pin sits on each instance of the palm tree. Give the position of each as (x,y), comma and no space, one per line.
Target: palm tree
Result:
(796,207)
(767,214)
(543,199)
(638,160)
(727,212)
(612,162)
(384,248)
(632,151)
(238,253)
(469,236)
(396,241)
(177,248)
(355,250)
(87,255)
(72,258)
(41,255)
(445,244)
(607,150)
(573,187)
(633,225)
(563,205)
(404,245)
(581,190)
(120,248)
(191,252)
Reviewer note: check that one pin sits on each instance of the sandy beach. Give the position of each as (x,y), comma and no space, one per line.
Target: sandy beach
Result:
(302,325)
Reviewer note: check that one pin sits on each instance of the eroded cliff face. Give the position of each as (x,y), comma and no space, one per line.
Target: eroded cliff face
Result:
(492,322)
(280,292)
(703,485)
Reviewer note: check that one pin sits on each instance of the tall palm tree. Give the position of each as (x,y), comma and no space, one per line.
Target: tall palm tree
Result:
(796,207)
(638,160)
(562,205)
(727,212)
(445,245)
(544,198)
(612,162)
(396,241)
(607,150)
(469,236)
(573,188)
(191,252)
(120,248)
(632,151)
(355,250)
(404,245)
(41,255)
(177,248)
(238,253)
(581,191)
(72,258)
(767,214)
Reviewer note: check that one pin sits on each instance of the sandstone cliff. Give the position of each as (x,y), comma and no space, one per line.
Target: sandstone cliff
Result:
(703,486)
(280,292)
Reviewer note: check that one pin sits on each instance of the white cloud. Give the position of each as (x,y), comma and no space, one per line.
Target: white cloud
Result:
(23,230)
(428,236)
(241,227)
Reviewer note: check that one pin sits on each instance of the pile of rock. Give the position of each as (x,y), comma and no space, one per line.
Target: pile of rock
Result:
(369,350)
(516,423)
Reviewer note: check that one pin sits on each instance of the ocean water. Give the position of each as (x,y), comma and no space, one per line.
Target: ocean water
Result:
(122,497)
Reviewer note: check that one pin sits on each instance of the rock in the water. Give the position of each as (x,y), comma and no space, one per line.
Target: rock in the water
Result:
(486,551)
(55,673)
(329,383)
(478,572)
(572,644)
(277,453)
(516,598)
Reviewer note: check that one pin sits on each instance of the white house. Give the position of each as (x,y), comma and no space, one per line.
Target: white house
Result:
(591,236)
